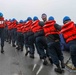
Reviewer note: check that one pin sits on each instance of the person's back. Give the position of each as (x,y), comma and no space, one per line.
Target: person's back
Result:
(51,30)
(2,25)
(69,33)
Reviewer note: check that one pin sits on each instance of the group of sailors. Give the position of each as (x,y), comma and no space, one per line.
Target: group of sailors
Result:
(44,36)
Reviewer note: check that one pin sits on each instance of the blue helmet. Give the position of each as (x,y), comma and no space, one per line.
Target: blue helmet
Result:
(51,18)
(21,21)
(35,18)
(13,19)
(1,15)
(29,18)
(66,18)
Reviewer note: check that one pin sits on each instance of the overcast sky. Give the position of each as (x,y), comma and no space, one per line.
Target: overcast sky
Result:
(21,9)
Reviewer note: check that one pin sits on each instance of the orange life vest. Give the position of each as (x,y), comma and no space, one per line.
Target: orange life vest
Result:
(69,31)
(9,25)
(27,26)
(23,28)
(14,24)
(49,28)
(19,27)
(2,22)
(36,27)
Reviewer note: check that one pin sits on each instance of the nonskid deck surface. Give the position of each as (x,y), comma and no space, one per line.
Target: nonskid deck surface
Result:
(14,62)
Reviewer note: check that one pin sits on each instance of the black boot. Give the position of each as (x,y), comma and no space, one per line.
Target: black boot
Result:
(58,69)
(2,50)
(50,60)
(41,58)
(32,56)
(62,64)
(21,48)
(13,45)
(45,62)
(18,48)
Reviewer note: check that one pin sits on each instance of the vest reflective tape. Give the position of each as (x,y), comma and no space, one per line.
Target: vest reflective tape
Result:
(1,22)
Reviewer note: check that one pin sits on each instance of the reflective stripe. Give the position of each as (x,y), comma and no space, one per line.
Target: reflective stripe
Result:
(1,22)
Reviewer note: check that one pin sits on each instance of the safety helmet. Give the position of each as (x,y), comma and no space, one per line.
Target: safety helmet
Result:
(66,18)
(29,18)
(51,18)
(1,15)
(21,21)
(35,18)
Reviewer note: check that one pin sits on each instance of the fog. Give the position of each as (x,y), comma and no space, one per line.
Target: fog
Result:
(21,9)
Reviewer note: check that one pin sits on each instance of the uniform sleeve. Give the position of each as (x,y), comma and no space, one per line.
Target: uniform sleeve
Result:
(58,27)
(75,24)
(41,23)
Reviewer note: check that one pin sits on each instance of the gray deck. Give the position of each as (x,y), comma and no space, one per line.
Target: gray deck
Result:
(13,62)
